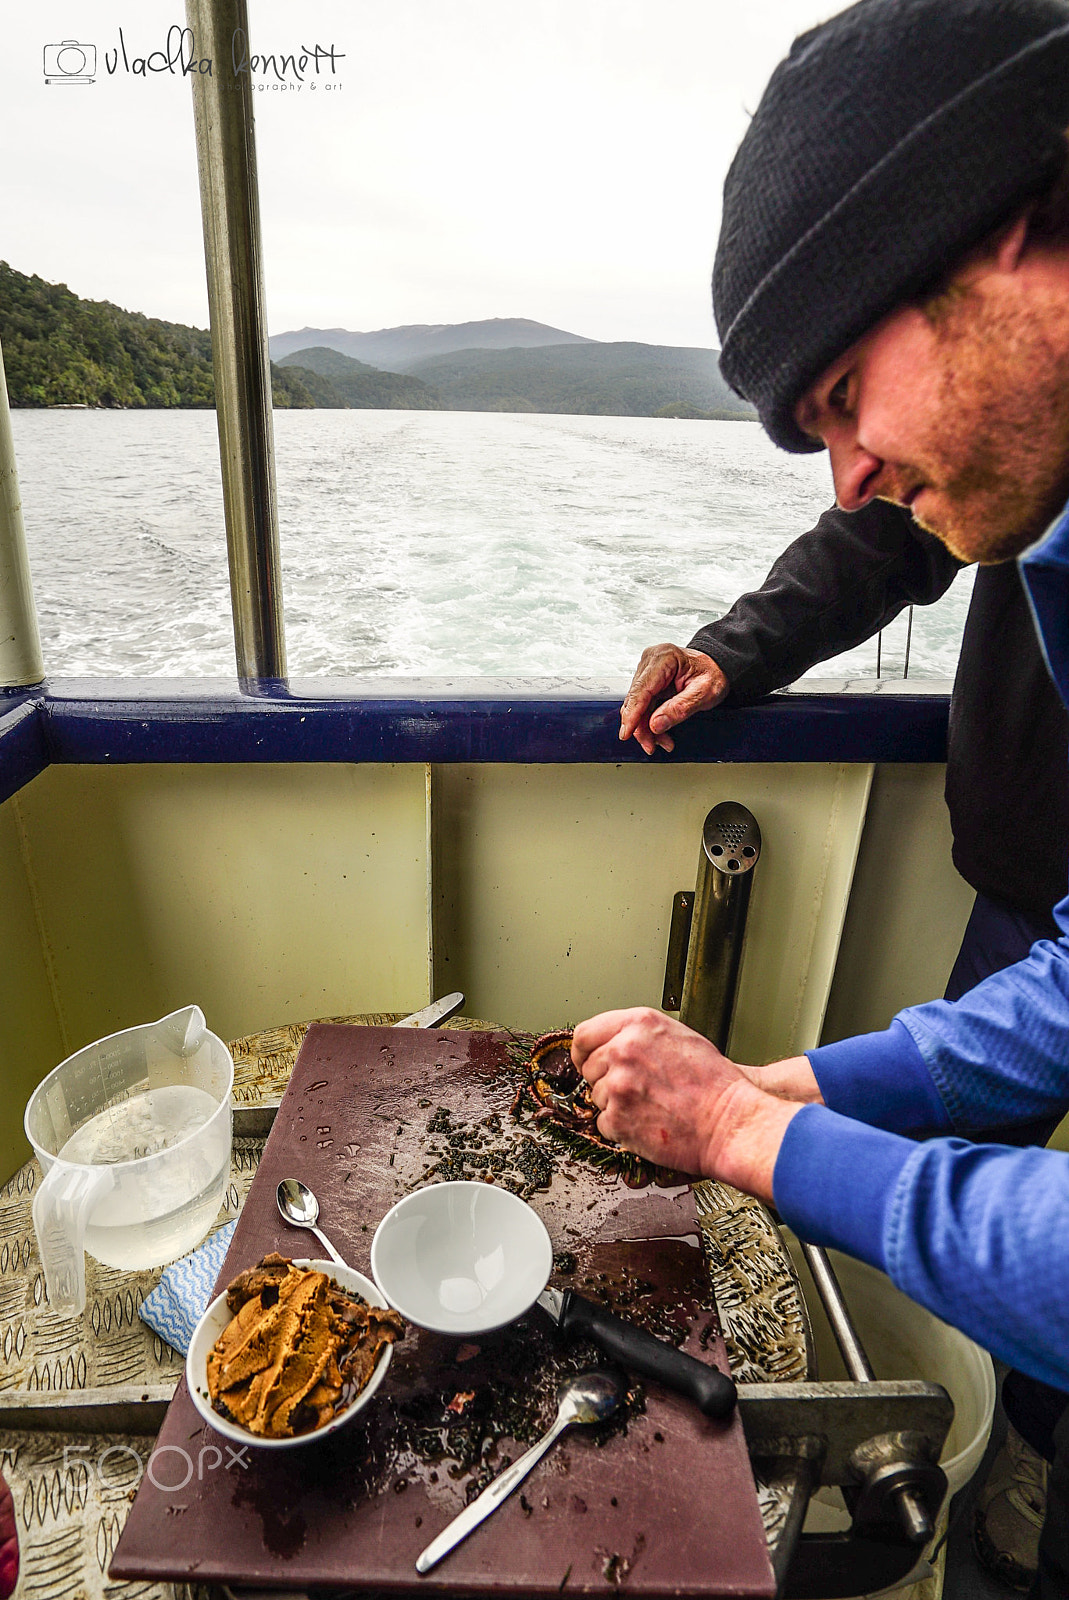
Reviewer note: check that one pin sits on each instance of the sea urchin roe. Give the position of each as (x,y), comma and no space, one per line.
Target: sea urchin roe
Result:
(297,1350)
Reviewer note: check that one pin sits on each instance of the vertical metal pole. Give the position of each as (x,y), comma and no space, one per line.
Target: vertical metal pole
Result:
(847,1338)
(20,642)
(731,846)
(230,207)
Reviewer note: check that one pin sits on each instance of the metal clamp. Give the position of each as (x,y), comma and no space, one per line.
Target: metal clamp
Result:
(873,1439)
(895,1476)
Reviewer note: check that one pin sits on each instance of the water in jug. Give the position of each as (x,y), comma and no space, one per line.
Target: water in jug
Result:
(133,1137)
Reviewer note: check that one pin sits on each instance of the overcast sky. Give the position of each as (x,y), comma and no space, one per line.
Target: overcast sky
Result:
(554,159)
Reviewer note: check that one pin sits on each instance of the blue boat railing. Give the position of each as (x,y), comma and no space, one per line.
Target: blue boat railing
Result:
(99,721)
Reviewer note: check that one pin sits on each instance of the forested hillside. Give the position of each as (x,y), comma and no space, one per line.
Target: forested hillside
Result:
(342,382)
(61,350)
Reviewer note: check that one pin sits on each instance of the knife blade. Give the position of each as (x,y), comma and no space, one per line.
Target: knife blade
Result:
(712,1391)
(254,1122)
(436,1012)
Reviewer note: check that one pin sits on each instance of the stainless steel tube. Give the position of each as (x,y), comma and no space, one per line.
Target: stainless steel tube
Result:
(230,208)
(20,641)
(731,846)
(852,1350)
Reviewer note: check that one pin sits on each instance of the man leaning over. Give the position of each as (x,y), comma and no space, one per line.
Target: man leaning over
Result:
(892,282)
(834,587)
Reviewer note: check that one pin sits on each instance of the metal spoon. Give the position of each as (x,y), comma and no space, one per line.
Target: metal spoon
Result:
(299,1205)
(588,1397)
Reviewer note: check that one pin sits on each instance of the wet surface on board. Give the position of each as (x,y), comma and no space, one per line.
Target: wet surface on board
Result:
(661,1499)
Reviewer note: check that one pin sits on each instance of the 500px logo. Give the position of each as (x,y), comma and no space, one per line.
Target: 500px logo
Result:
(168,1466)
(73,62)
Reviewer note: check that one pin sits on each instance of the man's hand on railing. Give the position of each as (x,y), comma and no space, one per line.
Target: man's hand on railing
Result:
(670,684)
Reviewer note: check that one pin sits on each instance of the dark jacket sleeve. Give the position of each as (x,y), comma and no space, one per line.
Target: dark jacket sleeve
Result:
(831,589)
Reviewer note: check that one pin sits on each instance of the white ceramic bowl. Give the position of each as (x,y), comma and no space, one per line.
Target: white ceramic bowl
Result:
(215,1320)
(461,1258)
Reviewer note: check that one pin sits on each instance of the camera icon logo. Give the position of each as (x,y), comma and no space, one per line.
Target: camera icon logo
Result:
(70,62)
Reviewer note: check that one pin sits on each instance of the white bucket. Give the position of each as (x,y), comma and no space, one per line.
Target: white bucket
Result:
(903,1340)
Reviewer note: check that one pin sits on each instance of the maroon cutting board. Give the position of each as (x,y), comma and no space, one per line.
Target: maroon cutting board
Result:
(665,1506)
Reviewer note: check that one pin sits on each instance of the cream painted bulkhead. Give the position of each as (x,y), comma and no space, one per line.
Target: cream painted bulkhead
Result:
(272,893)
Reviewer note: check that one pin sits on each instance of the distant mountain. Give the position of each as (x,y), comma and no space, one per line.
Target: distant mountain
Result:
(339,382)
(397,349)
(62,350)
(588,377)
(626,380)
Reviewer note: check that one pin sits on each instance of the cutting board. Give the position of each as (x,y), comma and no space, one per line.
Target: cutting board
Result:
(662,1503)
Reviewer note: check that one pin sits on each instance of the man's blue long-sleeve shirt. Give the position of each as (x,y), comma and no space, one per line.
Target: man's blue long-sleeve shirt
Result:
(977,1233)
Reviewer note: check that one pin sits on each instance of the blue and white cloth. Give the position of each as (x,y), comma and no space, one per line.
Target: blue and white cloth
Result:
(184,1291)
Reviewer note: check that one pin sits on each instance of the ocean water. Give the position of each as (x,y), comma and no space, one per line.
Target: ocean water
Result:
(423,543)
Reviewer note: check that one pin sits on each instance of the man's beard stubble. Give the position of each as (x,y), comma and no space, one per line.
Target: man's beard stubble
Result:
(999,458)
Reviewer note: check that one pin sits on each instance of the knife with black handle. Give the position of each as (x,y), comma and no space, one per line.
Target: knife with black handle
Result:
(712,1391)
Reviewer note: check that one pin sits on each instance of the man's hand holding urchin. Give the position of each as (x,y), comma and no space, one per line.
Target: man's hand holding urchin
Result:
(692,681)
(669,1095)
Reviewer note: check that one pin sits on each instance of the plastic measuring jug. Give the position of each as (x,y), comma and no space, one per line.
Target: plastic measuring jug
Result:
(133,1137)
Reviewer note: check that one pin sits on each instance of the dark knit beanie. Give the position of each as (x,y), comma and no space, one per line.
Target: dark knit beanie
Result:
(891,140)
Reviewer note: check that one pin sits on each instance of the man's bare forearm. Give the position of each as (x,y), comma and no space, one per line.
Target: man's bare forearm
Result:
(792,1079)
(749,1135)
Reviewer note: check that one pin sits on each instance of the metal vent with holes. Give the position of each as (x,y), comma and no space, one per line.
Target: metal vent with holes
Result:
(705,943)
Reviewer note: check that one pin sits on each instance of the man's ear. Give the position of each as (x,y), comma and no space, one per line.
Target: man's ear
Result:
(1000,252)
(1010,243)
